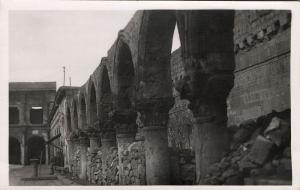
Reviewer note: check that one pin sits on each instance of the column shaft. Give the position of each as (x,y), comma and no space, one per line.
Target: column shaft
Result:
(83,159)
(157,156)
(94,145)
(211,142)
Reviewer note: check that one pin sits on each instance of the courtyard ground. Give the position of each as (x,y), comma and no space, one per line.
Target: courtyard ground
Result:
(16,172)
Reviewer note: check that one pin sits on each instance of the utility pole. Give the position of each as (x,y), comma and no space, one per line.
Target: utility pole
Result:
(64,70)
(70,81)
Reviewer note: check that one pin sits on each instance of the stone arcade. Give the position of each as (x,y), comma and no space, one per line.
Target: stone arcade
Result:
(127,125)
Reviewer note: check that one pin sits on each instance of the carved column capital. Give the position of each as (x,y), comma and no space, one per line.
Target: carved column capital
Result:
(155,111)
(108,135)
(92,132)
(124,122)
(83,137)
(207,92)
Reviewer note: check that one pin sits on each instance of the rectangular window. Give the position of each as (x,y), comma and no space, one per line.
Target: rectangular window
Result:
(13,115)
(36,115)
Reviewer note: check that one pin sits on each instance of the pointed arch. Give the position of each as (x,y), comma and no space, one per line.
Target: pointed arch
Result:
(74,114)
(124,75)
(68,118)
(106,98)
(155,44)
(82,110)
(92,92)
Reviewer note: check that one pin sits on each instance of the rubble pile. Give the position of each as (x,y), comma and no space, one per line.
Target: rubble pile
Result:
(133,164)
(95,168)
(76,166)
(260,153)
(103,167)
(110,172)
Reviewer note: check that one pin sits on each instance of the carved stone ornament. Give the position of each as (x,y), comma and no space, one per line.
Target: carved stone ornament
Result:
(155,111)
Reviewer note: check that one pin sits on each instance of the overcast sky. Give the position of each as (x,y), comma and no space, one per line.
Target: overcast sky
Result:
(42,42)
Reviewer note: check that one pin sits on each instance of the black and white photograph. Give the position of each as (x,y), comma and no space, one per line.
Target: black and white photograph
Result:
(149,97)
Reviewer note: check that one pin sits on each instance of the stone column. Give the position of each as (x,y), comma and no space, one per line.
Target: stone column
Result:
(109,156)
(154,116)
(94,144)
(94,138)
(108,139)
(125,123)
(71,146)
(76,166)
(83,143)
(208,59)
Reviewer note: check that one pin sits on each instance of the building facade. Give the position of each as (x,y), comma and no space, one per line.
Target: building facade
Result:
(29,107)
(60,125)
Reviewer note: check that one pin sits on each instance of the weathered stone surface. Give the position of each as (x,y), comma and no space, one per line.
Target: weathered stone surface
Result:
(278,132)
(275,124)
(261,150)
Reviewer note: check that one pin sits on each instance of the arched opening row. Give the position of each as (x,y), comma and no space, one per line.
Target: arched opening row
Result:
(145,87)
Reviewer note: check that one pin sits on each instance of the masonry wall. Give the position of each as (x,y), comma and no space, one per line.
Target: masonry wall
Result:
(262,73)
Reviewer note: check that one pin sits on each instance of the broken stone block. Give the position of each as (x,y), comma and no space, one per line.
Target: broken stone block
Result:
(260,35)
(278,131)
(260,150)
(274,124)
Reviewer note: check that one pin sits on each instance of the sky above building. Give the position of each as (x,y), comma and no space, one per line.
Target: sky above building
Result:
(42,42)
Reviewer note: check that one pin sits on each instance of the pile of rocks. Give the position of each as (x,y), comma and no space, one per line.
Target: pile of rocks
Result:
(95,167)
(260,153)
(76,163)
(133,164)
(187,168)
(103,167)
(110,171)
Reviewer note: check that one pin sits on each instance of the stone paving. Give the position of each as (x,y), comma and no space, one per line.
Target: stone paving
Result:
(16,172)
